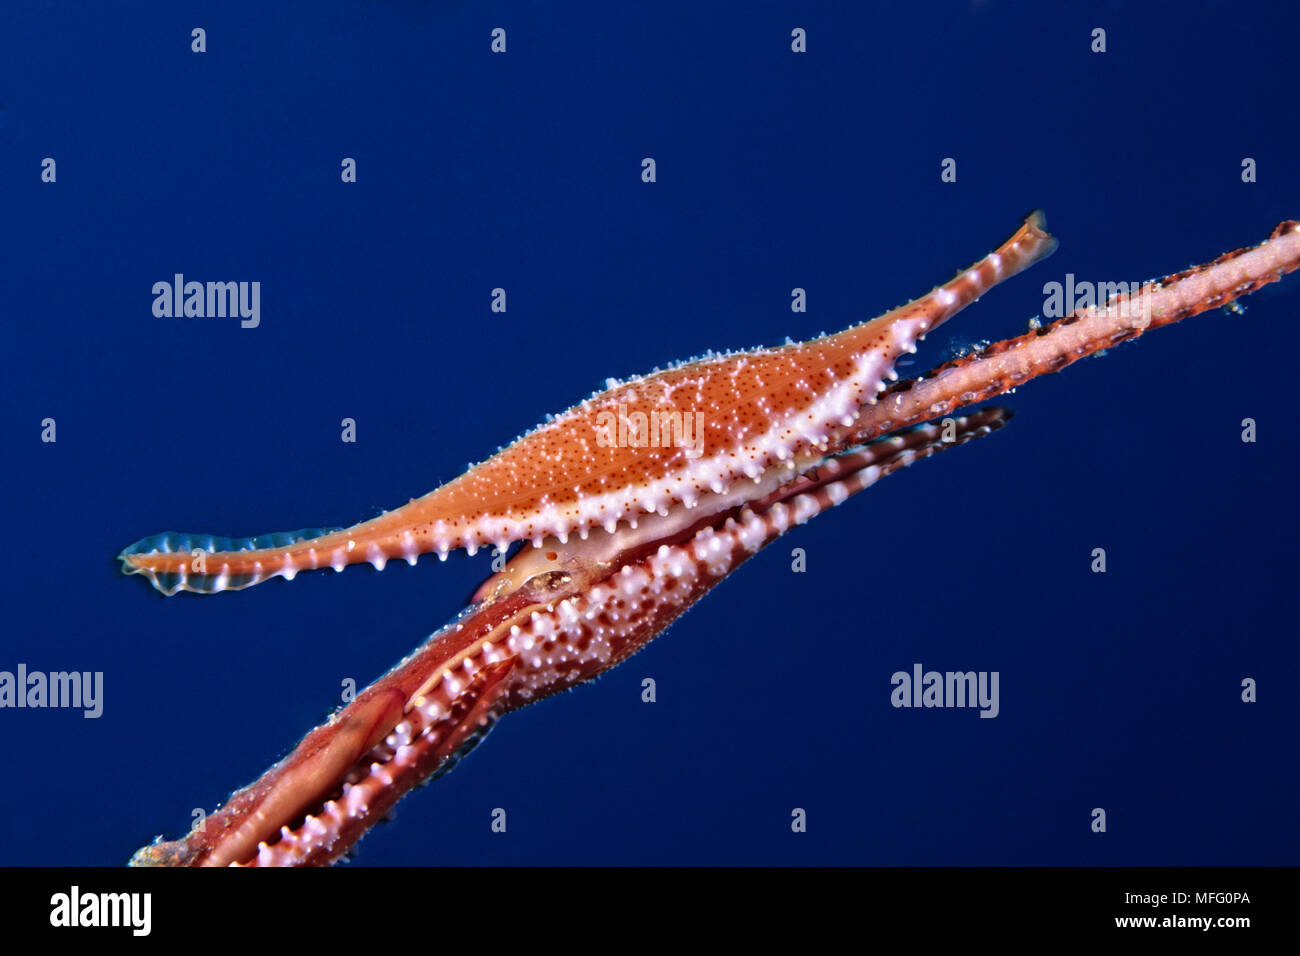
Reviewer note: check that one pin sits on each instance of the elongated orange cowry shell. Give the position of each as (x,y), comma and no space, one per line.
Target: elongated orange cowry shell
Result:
(643,446)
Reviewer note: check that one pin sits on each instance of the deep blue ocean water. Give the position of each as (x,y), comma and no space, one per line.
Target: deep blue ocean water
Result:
(775,170)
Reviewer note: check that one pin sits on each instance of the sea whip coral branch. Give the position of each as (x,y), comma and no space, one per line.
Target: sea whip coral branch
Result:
(1012,362)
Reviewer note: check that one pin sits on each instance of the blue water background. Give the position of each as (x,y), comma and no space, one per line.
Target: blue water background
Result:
(775,171)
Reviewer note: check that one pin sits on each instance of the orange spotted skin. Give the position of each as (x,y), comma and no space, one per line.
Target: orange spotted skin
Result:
(644,446)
